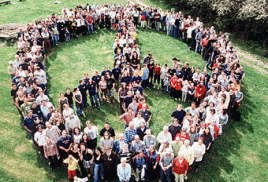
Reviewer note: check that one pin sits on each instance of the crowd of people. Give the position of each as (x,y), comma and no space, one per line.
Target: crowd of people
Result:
(181,146)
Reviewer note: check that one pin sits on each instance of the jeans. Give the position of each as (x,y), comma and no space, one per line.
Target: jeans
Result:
(32,137)
(96,100)
(97,168)
(183,35)
(56,39)
(84,101)
(90,27)
(198,47)
(79,109)
(172,30)
(71,106)
(164,28)
(176,32)
(167,174)
(68,38)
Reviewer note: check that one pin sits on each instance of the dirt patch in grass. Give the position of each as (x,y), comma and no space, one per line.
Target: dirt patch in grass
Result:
(20,148)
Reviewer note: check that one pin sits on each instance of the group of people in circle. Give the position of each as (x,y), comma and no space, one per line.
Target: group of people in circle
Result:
(181,146)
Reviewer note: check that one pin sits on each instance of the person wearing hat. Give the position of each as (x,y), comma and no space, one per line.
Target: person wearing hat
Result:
(11,69)
(166,163)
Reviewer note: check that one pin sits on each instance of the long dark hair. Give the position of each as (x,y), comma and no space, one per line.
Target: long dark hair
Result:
(207,136)
(99,149)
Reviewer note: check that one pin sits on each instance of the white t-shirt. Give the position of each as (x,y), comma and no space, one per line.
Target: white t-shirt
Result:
(40,137)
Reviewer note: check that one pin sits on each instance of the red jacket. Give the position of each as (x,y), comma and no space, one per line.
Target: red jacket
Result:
(201,91)
(180,168)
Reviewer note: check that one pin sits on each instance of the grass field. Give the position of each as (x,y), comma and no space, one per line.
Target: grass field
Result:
(240,154)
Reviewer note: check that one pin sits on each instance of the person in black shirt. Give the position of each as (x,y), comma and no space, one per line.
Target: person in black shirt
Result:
(92,93)
(96,78)
(14,93)
(116,71)
(185,70)
(174,128)
(110,87)
(109,129)
(69,96)
(83,89)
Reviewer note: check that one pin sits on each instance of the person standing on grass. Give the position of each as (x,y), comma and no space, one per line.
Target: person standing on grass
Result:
(127,117)
(72,166)
(116,71)
(110,87)
(179,114)
(78,101)
(151,72)
(69,96)
(93,93)
(83,90)
(51,153)
(146,114)
(180,168)
(157,73)
(67,35)
(166,163)
(103,88)
(199,150)
(200,92)
(64,144)
(61,101)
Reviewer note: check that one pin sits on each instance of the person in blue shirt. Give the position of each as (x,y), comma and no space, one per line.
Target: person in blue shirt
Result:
(145,76)
(92,93)
(140,164)
(124,170)
(28,123)
(136,78)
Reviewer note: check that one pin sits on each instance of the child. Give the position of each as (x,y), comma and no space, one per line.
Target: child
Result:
(185,86)
(157,70)
(67,35)
(72,166)
(166,84)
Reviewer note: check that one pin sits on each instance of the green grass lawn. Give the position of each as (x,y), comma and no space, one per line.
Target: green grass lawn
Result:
(240,154)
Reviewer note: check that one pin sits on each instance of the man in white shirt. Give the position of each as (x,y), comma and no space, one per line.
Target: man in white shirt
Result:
(71,122)
(41,97)
(112,15)
(41,75)
(92,132)
(17,62)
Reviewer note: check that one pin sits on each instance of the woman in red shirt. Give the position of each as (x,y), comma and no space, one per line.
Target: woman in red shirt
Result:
(183,135)
(157,70)
(180,167)
(173,83)
(200,92)
(178,88)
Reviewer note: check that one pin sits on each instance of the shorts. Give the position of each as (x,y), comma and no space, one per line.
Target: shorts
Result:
(157,78)
(110,92)
(112,20)
(103,92)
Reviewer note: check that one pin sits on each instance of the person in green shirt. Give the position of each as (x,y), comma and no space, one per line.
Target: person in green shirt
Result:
(176,145)
(25,107)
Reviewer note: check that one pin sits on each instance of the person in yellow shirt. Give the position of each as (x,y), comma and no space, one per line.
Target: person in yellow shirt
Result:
(72,166)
